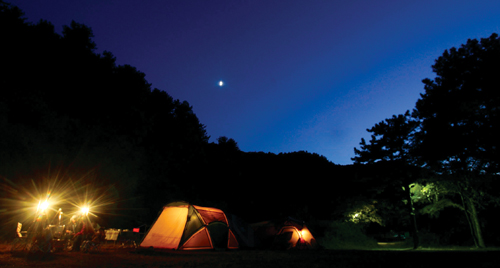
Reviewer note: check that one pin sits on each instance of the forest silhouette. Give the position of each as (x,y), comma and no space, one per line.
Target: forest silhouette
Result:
(72,118)
(67,110)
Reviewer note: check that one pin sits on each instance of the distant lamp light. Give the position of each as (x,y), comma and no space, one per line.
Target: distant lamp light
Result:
(44,206)
(221,83)
(85,210)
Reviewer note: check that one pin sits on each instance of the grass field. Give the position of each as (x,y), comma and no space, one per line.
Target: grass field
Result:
(119,257)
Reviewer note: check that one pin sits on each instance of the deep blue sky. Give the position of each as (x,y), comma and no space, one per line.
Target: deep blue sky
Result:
(299,75)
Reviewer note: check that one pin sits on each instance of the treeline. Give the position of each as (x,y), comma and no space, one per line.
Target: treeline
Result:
(261,185)
(73,121)
(69,113)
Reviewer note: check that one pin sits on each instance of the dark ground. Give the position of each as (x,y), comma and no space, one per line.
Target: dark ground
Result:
(111,256)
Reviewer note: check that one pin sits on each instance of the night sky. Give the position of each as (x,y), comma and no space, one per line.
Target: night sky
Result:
(298,75)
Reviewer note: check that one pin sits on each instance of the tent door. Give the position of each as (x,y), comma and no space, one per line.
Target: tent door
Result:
(219,234)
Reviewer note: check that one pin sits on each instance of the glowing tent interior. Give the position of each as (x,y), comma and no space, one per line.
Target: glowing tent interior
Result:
(284,234)
(182,226)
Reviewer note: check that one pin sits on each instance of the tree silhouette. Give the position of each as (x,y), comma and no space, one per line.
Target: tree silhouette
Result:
(391,140)
(390,150)
(459,114)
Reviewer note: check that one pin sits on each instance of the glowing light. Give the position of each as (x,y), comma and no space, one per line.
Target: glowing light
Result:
(45,205)
(303,233)
(221,83)
(42,206)
(85,210)
(42,197)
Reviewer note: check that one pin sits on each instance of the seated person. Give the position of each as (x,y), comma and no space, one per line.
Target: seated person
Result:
(85,233)
(99,236)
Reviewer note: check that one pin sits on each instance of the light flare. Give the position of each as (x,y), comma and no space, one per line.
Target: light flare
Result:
(85,211)
(46,197)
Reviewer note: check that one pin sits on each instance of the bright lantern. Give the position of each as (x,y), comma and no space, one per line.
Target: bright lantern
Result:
(44,206)
(85,210)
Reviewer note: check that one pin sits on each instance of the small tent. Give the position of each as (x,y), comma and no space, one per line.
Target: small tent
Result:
(182,226)
(284,234)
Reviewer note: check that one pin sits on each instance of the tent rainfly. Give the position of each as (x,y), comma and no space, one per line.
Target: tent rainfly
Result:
(182,226)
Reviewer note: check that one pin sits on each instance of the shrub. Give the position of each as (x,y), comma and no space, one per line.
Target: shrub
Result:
(346,235)
(428,239)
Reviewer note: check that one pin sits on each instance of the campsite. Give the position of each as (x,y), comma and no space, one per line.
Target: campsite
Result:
(186,235)
(99,168)
(129,258)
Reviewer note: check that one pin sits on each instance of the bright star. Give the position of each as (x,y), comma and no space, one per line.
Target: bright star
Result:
(221,83)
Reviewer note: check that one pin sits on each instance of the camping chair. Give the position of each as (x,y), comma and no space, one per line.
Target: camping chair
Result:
(112,235)
(126,239)
(57,231)
(19,242)
(58,241)
(27,241)
(18,230)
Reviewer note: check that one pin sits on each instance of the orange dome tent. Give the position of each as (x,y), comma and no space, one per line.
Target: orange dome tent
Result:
(182,226)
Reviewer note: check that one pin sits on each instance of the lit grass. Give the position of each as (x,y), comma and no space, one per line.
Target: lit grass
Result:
(346,235)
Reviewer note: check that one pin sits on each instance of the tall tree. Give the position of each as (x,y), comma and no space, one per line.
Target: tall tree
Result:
(389,149)
(390,141)
(460,122)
